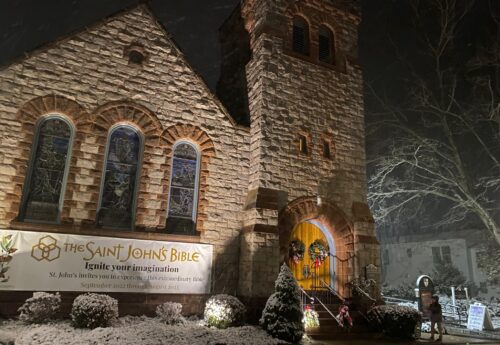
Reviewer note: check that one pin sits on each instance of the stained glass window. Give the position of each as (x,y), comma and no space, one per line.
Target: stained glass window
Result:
(49,168)
(183,190)
(117,206)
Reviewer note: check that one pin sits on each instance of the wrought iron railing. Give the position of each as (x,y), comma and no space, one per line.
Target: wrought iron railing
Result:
(343,272)
(395,300)
(332,292)
(357,286)
(449,311)
(329,311)
(305,297)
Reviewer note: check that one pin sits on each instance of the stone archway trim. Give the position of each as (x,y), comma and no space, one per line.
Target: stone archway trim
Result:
(334,220)
(28,115)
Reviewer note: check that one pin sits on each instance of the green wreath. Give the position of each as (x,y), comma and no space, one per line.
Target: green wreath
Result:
(318,252)
(296,251)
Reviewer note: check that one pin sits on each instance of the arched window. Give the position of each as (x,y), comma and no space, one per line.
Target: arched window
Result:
(300,36)
(121,177)
(43,192)
(183,194)
(326,45)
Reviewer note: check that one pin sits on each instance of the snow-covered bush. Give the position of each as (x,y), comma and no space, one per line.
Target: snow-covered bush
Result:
(282,315)
(170,313)
(40,308)
(224,311)
(93,310)
(395,321)
(7,338)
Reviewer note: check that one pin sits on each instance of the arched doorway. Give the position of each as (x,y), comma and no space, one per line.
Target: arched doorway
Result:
(311,269)
(336,228)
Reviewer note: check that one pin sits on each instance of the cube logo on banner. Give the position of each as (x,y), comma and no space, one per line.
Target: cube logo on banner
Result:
(46,249)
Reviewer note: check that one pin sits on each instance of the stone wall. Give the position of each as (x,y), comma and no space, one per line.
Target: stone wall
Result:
(292,95)
(248,175)
(88,78)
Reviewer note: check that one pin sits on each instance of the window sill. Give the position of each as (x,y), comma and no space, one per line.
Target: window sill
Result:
(304,155)
(309,58)
(92,231)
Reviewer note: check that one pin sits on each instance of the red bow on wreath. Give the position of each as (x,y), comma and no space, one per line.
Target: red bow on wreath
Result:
(317,263)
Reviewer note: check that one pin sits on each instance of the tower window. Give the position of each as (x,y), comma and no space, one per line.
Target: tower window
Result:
(303,144)
(326,149)
(326,45)
(300,36)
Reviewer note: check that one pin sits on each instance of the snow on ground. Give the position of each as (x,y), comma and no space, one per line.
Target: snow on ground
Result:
(133,331)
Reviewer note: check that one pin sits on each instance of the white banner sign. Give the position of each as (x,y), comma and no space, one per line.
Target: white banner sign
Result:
(60,262)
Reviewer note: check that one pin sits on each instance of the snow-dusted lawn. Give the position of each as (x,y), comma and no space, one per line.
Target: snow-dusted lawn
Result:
(134,331)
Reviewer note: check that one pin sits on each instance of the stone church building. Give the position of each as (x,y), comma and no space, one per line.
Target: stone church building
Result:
(110,132)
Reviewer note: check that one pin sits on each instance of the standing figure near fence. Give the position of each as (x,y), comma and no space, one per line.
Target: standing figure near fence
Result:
(436,315)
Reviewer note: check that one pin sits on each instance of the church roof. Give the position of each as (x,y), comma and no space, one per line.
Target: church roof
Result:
(140,6)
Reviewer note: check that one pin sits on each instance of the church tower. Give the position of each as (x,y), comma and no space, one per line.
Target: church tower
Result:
(290,70)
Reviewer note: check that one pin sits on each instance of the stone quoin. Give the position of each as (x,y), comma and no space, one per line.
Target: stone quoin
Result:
(279,145)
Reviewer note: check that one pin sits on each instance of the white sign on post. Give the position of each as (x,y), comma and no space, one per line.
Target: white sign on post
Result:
(479,318)
(39,261)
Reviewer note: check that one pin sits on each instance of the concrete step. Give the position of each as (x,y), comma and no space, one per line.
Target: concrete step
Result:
(327,322)
(327,331)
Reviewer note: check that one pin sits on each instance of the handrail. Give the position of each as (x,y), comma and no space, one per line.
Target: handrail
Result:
(363,292)
(322,304)
(329,312)
(396,300)
(305,293)
(332,290)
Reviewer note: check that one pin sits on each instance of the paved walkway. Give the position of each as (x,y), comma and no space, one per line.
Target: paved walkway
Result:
(447,339)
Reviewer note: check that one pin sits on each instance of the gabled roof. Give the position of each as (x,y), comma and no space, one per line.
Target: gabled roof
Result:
(142,5)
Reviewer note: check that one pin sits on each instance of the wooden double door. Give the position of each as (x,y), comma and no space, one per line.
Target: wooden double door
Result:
(308,273)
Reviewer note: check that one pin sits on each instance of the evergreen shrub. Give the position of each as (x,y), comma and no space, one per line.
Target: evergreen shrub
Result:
(40,308)
(395,321)
(93,310)
(170,313)
(282,315)
(223,311)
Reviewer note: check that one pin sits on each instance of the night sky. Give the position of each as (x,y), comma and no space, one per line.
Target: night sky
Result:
(193,24)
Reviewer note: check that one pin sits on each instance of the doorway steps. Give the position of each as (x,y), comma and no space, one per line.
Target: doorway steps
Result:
(329,327)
